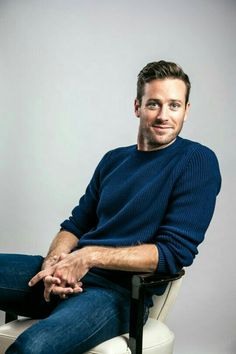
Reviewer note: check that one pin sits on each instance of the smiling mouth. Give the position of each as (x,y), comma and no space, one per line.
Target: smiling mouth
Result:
(161,127)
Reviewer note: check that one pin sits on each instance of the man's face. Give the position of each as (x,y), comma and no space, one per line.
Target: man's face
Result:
(162,113)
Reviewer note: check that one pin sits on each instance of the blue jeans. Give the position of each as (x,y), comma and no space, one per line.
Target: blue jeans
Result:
(69,326)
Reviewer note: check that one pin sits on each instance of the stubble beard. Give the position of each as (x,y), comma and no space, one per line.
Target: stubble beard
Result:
(153,141)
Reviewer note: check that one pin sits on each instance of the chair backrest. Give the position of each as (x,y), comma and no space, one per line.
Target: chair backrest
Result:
(163,303)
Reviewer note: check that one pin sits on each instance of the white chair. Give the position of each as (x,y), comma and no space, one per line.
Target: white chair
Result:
(154,338)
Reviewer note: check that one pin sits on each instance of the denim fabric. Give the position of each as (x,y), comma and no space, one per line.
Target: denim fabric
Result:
(69,326)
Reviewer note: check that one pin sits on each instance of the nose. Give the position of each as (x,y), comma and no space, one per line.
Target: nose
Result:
(163,113)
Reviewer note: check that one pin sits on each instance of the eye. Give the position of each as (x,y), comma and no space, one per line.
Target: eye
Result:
(175,106)
(153,105)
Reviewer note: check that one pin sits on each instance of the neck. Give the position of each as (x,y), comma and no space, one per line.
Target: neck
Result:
(145,146)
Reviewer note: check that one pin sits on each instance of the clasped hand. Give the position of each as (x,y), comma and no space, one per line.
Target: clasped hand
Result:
(61,275)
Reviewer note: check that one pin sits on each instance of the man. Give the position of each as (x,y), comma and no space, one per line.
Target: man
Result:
(146,209)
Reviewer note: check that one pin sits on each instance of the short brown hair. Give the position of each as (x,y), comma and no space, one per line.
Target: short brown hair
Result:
(161,70)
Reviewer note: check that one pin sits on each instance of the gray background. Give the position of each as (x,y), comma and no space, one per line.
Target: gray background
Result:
(67,83)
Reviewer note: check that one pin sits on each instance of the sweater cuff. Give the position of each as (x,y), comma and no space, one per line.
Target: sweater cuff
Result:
(161,267)
(69,226)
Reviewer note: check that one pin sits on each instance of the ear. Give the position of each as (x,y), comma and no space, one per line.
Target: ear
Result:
(186,111)
(136,107)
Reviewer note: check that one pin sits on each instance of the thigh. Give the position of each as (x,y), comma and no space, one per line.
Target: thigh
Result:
(15,294)
(78,323)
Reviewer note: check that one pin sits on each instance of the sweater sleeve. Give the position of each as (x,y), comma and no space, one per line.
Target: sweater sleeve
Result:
(84,216)
(190,211)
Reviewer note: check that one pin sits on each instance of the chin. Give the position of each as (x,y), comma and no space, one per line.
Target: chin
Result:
(161,142)
(165,140)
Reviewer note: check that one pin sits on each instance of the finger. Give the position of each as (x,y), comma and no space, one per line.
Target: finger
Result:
(78,287)
(77,290)
(77,284)
(71,282)
(58,290)
(49,280)
(47,292)
(39,276)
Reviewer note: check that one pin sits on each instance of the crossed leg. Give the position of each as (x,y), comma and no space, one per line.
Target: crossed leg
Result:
(73,325)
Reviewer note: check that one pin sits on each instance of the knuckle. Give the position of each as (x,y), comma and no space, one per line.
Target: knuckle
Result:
(63,277)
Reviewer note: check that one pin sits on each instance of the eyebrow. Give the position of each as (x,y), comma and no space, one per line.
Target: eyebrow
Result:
(176,100)
(170,100)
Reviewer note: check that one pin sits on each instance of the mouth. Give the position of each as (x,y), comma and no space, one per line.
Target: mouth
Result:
(161,127)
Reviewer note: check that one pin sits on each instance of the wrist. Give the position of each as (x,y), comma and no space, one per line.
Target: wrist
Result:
(91,256)
(52,258)
(49,261)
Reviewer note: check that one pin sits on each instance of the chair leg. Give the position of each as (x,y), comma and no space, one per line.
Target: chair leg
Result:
(9,316)
(136,318)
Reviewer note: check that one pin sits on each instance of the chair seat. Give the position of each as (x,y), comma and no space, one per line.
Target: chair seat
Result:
(157,338)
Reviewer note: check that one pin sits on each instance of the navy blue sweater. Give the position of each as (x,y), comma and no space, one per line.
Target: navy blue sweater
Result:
(164,197)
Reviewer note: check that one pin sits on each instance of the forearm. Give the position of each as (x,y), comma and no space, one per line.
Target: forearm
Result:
(64,242)
(141,258)
(73,267)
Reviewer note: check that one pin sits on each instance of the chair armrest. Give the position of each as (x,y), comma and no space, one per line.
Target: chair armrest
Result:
(141,282)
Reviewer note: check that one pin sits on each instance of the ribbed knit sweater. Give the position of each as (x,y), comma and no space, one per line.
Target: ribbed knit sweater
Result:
(164,197)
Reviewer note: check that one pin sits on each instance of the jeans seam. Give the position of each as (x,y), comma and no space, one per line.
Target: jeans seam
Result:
(93,334)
